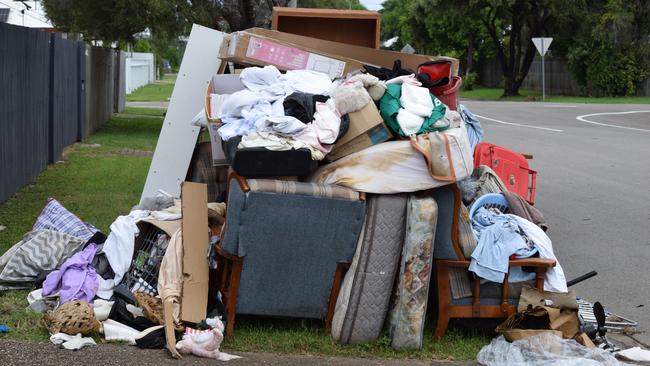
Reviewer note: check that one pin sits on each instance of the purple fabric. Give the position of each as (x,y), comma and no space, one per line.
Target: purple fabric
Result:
(76,279)
(56,217)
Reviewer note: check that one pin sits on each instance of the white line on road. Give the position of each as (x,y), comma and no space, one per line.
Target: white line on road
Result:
(584,119)
(519,124)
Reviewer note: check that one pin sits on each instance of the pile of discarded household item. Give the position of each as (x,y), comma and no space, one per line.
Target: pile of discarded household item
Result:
(356,192)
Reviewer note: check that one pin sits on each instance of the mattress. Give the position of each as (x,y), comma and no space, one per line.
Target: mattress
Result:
(389,167)
(262,162)
(363,301)
(408,311)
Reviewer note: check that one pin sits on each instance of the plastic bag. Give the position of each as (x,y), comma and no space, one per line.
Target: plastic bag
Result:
(543,349)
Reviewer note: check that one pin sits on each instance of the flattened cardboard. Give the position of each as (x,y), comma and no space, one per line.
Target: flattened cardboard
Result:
(365,55)
(170,336)
(367,128)
(373,136)
(246,48)
(360,122)
(194,303)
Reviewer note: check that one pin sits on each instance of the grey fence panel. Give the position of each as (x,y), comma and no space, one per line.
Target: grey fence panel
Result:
(64,114)
(100,76)
(120,82)
(53,92)
(24,103)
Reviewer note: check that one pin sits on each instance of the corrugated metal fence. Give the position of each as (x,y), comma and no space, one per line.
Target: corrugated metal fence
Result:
(51,95)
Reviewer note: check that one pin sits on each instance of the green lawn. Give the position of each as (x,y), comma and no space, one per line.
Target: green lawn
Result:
(160,90)
(496,94)
(142,111)
(102,179)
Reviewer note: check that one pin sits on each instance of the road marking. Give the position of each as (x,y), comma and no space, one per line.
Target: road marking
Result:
(585,120)
(559,106)
(518,124)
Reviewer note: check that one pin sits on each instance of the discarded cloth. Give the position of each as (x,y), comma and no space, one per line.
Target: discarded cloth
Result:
(487,181)
(405,79)
(120,243)
(102,308)
(283,126)
(302,105)
(274,142)
(71,342)
(391,106)
(554,279)
(38,252)
(250,116)
(153,337)
(306,81)
(499,237)
(263,97)
(56,217)
(473,126)
(76,279)
(384,73)
(520,207)
(120,313)
(170,277)
(116,331)
(416,105)
(327,122)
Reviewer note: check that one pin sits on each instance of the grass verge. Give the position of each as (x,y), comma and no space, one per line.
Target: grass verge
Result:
(160,90)
(141,111)
(101,179)
(496,94)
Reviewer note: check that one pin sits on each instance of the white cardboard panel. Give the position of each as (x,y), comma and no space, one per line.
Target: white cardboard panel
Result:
(178,137)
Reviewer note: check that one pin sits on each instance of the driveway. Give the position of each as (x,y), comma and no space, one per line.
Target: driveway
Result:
(593,164)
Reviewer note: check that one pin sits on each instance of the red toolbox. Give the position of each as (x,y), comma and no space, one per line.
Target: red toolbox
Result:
(510,166)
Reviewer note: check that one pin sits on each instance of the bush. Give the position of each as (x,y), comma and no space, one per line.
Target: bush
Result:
(469,81)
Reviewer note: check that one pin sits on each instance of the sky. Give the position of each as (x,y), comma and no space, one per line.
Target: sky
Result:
(372,4)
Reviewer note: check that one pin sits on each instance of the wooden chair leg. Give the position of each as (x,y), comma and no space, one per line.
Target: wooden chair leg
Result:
(441,325)
(341,270)
(444,299)
(233,290)
(229,269)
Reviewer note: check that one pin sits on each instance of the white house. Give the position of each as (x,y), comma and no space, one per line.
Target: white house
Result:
(24,13)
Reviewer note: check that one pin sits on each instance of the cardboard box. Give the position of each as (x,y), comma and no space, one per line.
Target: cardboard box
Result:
(219,84)
(194,303)
(246,48)
(357,27)
(364,55)
(366,129)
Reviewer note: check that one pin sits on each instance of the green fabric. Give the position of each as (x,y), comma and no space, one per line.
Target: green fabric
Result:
(389,106)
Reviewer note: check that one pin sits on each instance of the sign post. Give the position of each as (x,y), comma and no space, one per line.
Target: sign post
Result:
(542,44)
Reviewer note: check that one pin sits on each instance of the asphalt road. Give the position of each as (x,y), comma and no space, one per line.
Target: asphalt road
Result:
(593,187)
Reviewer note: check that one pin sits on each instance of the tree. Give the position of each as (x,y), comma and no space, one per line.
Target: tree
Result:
(611,54)
(504,27)
(331,4)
